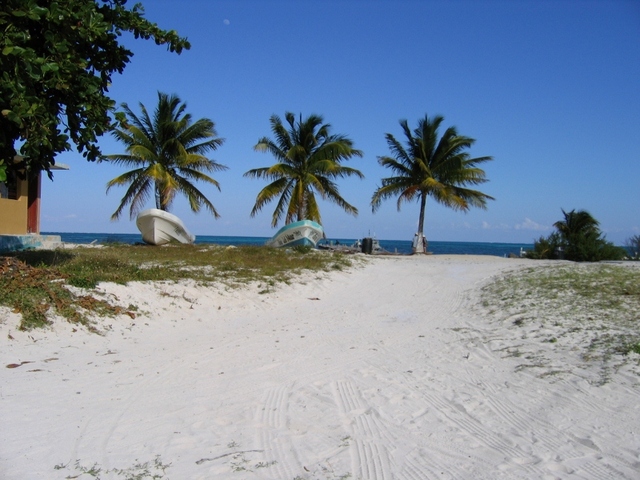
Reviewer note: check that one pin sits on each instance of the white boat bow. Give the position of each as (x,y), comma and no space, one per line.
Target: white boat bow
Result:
(159,227)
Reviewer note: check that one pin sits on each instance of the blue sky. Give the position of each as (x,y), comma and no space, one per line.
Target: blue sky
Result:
(550,89)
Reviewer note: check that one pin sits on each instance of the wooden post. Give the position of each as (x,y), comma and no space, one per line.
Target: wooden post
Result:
(33,204)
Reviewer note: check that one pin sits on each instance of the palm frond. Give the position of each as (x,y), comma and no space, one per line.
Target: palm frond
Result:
(268,193)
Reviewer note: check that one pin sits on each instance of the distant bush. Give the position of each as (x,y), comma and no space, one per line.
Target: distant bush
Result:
(633,247)
(577,238)
(545,247)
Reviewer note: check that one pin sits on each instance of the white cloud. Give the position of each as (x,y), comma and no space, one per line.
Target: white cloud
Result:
(501,226)
(529,224)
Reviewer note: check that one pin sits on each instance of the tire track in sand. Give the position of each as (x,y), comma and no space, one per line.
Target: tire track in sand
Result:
(555,439)
(271,420)
(369,457)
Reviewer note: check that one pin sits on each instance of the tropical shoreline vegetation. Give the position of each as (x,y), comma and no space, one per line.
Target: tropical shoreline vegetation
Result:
(37,284)
(56,98)
(578,238)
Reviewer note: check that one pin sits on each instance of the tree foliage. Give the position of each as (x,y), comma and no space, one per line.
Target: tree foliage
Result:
(633,246)
(309,159)
(57,58)
(434,166)
(577,238)
(167,153)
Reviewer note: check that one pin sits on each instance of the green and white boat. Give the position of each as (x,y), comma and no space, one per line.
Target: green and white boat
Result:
(305,232)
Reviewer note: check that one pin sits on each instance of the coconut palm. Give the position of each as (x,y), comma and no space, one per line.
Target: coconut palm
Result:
(575,224)
(309,159)
(577,238)
(167,154)
(431,166)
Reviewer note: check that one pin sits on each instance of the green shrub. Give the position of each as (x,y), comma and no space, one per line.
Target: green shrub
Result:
(576,238)
(633,247)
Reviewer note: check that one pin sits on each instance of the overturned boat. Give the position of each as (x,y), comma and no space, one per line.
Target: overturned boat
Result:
(304,233)
(159,227)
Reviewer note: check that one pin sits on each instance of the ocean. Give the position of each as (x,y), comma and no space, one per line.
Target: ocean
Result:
(393,246)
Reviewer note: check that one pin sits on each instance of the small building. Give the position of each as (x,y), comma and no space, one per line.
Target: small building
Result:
(20,212)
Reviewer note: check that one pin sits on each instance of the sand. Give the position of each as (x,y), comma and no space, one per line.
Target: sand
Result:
(386,371)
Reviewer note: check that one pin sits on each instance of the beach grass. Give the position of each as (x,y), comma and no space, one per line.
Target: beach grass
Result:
(594,307)
(33,283)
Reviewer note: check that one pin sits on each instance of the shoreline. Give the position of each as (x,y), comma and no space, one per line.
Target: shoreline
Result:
(389,369)
(401,246)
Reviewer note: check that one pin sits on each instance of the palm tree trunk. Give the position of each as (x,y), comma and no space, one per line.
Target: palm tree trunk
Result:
(158,195)
(419,241)
(423,205)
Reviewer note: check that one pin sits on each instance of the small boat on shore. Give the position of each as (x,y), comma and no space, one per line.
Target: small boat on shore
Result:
(159,227)
(304,233)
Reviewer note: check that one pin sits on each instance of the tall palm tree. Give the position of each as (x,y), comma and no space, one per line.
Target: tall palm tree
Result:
(309,159)
(167,154)
(431,166)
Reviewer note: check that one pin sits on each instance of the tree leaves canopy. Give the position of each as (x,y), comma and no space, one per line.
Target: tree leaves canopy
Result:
(309,159)
(167,153)
(428,165)
(578,238)
(57,58)
(577,223)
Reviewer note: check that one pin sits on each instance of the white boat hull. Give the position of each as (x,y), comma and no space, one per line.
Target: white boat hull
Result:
(159,227)
(302,233)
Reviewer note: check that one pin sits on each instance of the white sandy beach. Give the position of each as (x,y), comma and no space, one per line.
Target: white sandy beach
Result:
(385,371)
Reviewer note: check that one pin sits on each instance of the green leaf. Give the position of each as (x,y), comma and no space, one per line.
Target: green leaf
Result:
(12,116)
(72,35)
(50,67)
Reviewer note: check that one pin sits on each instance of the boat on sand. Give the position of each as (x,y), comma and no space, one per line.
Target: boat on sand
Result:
(304,233)
(159,227)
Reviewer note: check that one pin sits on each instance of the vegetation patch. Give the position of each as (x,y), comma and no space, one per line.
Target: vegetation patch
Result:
(34,283)
(35,292)
(152,470)
(558,310)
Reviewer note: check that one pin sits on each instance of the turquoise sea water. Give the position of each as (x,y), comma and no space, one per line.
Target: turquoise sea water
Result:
(394,246)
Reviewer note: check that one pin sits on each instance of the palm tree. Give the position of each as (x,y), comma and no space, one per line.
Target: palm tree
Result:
(577,238)
(308,161)
(431,166)
(579,223)
(579,235)
(167,154)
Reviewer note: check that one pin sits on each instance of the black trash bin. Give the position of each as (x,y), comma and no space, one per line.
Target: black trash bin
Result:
(367,245)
